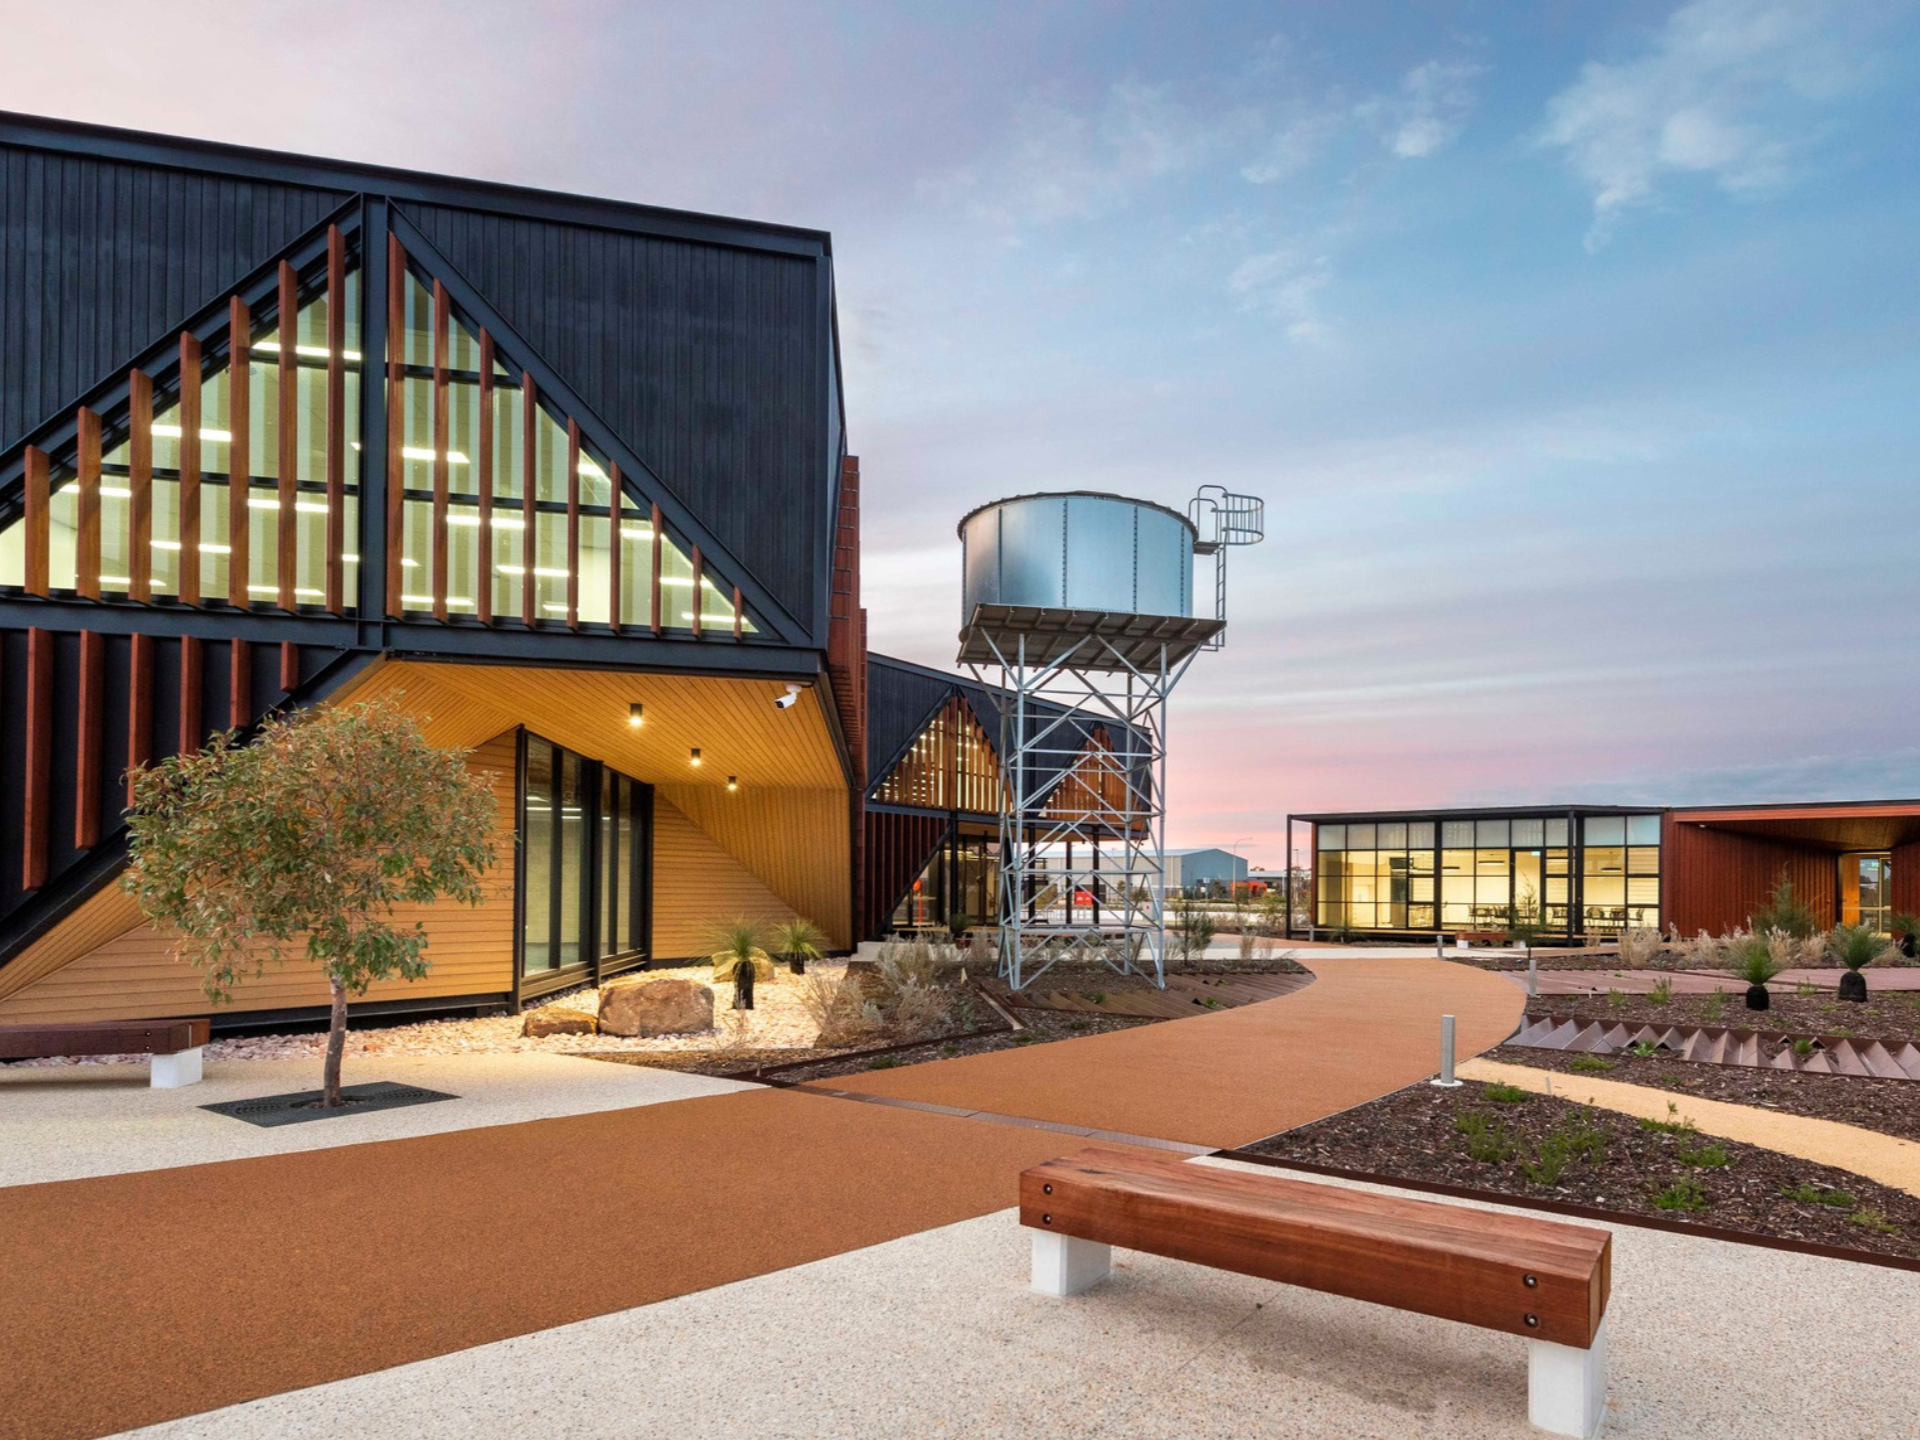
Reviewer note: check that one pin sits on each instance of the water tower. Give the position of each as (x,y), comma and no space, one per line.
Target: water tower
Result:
(1078,610)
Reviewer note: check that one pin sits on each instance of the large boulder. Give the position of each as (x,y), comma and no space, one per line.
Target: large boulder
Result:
(725,961)
(635,1005)
(558,1020)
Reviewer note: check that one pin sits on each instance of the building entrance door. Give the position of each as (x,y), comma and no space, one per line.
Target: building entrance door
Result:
(1866,890)
(1526,887)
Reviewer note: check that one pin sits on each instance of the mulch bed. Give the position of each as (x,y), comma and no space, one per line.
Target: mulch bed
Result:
(795,1065)
(1042,1026)
(1892,1015)
(1416,1134)
(1890,1107)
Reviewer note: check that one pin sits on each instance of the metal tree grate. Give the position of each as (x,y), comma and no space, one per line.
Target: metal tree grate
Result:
(303,1105)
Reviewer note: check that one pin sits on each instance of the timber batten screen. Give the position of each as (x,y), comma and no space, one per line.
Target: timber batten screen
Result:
(951,765)
(510,512)
(143,503)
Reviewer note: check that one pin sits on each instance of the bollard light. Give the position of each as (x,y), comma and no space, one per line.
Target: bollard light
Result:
(1446,1080)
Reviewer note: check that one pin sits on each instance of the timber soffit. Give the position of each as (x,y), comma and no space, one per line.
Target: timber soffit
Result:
(246,162)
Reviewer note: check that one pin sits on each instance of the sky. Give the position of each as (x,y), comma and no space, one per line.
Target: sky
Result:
(1573,347)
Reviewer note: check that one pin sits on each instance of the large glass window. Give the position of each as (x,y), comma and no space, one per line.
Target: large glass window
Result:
(961,880)
(1486,874)
(179,475)
(564,583)
(950,766)
(1619,873)
(1376,876)
(586,855)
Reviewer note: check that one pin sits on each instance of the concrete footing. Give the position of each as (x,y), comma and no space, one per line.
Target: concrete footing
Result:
(1063,1265)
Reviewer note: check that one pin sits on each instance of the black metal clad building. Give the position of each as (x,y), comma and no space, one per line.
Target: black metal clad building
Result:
(679,371)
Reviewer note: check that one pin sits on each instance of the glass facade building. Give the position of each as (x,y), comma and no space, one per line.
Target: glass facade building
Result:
(1570,873)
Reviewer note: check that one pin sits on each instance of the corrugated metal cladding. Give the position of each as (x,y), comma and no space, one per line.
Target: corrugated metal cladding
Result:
(900,701)
(100,259)
(710,363)
(1716,879)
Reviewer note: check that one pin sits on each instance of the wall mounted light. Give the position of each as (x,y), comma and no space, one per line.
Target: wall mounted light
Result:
(636,714)
(733,782)
(694,758)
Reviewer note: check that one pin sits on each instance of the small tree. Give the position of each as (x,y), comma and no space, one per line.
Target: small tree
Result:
(319,827)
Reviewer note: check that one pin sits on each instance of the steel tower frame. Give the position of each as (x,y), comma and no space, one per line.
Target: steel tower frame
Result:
(1106,834)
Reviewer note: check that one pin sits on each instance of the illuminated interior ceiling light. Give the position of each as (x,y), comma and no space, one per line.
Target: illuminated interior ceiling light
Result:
(406,564)
(539,570)
(508,522)
(349,559)
(113,492)
(116,580)
(460,600)
(636,714)
(733,782)
(636,532)
(589,467)
(314,352)
(275,590)
(694,757)
(174,432)
(685,582)
(554,607)
(419,452)
(166,544)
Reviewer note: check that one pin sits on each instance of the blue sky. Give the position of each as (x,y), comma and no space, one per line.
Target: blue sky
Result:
(1572,346)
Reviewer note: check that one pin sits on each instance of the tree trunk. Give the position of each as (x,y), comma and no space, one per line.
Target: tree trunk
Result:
(336,1045)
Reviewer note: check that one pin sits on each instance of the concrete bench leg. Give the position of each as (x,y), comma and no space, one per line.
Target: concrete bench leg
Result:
(170,1072)
(1567,1387)
(1063,1265)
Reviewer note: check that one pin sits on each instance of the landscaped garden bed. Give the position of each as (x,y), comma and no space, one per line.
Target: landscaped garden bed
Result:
(1889,1015)
(1040,1028)
(1537,1148)
(1889,1107)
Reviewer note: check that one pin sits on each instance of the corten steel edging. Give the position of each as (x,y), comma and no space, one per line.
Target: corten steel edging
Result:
(1557,1292)
(1508,1200)
(785,1065)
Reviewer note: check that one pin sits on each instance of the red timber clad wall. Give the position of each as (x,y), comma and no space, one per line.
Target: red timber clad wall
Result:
(847,661)
(1906,879)
(1716,879)
(897,850)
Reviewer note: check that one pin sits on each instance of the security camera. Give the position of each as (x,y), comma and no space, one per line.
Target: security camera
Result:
(788,700)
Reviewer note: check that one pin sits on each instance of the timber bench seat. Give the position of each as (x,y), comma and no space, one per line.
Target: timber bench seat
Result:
(1540,1279)
(175,1045)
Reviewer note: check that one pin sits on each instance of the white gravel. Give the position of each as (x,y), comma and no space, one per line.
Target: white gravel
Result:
(778,1021)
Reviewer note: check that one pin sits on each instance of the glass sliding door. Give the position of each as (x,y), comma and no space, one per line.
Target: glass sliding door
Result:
(586,866)
(537,869)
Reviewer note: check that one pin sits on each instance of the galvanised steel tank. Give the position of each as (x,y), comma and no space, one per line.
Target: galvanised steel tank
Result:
(1078,550)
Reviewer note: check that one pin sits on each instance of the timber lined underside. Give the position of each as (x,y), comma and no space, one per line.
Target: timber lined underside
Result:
(775,848)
